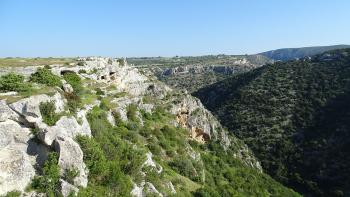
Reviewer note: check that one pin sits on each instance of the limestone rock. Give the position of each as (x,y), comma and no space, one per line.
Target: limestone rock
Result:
(65,126)
(137,191)
(171,187)
(149,188)
(67,88)
(16,170)
(30,106)
(144,189)
(150,163)
(67,188)
(71,157)
(6,112)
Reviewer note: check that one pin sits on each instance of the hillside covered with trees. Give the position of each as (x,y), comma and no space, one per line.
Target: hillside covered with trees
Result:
(295,116)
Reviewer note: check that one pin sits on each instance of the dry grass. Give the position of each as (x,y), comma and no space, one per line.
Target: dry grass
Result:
(17,62)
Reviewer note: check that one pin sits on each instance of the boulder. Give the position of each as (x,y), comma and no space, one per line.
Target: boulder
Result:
(71,157)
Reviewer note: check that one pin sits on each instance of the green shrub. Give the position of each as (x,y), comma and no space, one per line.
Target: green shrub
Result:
(47,110)
(13,82)
(45,76)
(48,182)
(74,80)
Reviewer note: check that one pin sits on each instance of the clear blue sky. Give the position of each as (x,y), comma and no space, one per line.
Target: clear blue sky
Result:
(168,27)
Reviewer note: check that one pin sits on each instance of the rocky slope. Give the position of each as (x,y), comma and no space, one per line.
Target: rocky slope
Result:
(294,116)
(100,127)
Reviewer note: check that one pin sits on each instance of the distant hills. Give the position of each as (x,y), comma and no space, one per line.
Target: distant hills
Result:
(295,116)
(295,53)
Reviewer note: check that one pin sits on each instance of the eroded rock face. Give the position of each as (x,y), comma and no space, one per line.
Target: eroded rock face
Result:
(70,158)
(202,125)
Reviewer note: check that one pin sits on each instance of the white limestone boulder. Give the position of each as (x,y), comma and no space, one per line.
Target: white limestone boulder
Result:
(71,157)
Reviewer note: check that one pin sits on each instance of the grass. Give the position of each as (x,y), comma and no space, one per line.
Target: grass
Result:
(40,89)
(185,183)
(17,62)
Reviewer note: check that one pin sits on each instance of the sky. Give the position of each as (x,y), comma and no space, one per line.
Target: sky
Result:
(70,28)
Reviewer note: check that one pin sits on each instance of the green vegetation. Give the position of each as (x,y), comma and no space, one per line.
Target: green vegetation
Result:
(114,162)
(45,76)
(111,160)
(13,194)
(13,82)
(47,110)
(48,182)
(295,117)
(74,80)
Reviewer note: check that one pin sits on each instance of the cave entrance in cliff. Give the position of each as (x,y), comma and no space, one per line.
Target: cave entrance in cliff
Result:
(199,135)
(112,75)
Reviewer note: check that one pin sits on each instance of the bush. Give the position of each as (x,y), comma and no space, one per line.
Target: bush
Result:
(45,76)
(47,110)
(74,80)
(48,182)
(13,82)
